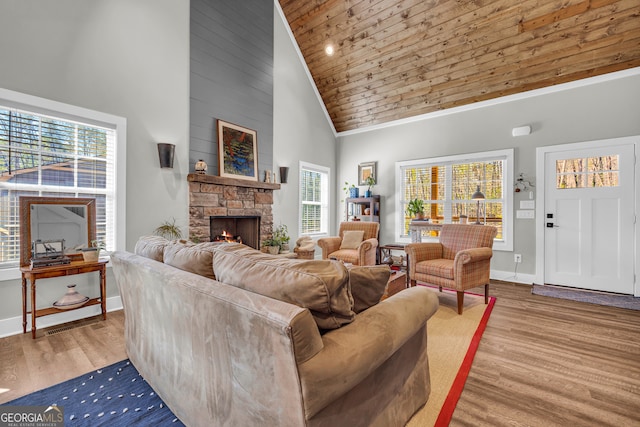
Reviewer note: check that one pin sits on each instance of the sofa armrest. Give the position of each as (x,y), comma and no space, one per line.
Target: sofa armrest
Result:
(329,245)
(354,351)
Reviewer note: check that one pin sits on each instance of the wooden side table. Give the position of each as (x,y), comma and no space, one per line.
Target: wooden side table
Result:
(76,267)
(397,282)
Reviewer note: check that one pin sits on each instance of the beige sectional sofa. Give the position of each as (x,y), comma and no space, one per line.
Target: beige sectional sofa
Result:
(229,336)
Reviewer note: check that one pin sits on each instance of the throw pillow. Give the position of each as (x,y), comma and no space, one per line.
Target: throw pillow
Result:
(321,286)
(367,285)
(351,239)
(194,258)
(151,247)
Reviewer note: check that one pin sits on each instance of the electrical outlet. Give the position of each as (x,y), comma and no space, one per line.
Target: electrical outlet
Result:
(517,258)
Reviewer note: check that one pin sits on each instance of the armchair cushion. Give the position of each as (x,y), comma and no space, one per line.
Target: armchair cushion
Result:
(352,239)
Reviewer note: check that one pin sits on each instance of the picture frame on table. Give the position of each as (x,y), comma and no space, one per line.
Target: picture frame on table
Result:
(365,170)
(237,151)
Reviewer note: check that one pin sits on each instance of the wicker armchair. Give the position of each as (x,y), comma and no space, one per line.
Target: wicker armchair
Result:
(461,260)
(364,254)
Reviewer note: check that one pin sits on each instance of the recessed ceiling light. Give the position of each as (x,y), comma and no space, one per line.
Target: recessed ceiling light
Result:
(329,49)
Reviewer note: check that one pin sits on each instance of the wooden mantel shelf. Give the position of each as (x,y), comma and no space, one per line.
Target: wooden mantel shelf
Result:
(220,180)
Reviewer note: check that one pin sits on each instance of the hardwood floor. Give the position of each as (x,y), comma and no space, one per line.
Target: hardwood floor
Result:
(541,362)
(27,365)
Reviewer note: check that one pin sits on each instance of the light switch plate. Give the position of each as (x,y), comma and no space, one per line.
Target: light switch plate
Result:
(525,214)
(527,204)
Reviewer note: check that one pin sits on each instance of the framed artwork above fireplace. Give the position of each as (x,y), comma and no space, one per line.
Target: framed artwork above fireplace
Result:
(237,151)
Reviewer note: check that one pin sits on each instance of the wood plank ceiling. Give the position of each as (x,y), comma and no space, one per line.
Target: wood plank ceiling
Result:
(396,59)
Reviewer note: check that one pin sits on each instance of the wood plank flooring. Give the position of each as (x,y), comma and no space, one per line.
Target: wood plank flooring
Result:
(541,362)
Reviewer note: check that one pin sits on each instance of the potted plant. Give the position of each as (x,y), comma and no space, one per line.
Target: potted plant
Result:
(169,230)
(351,190)
(415,208)
(281,235)
(370,182)
(92,253)
(272,245)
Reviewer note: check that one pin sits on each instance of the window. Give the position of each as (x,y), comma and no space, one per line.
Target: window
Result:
(54,149)
(314,199)
(446,185)
(591,172)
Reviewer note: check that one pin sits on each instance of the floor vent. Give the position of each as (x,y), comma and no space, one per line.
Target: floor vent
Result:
(69,326)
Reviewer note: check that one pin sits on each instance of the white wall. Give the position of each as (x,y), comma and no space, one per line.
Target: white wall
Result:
(589,112)
(301,131)
(122,57)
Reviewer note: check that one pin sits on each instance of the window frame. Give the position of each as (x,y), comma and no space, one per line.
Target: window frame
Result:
(63,111)
(504,244)
(324,203)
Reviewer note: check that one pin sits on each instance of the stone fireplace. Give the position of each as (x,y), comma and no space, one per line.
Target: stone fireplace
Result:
(243,229)
(213,199)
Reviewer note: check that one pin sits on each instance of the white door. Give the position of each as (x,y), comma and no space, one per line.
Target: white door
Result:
(589,218)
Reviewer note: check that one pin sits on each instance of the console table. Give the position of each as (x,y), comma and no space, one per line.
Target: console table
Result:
(75,267)
(416,227)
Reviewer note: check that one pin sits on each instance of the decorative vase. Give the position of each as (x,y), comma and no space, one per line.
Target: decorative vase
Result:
(201,167)
(354,192)
(72,299)
(273,250)
(368,193)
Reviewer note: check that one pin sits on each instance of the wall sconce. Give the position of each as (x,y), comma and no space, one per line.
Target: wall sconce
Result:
(478,195)
(284,173)
(165,153)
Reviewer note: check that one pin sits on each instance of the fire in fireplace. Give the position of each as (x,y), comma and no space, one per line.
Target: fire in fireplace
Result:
(226,237)
(243,229)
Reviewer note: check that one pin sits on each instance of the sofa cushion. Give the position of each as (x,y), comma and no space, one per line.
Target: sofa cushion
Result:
(194,258)
(352,239)
(151,247)
(367,285)
(321,286)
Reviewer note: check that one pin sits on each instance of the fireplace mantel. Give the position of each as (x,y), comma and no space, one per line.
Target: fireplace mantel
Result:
(235,182)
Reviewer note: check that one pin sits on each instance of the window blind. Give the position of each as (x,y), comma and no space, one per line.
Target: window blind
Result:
(42,155)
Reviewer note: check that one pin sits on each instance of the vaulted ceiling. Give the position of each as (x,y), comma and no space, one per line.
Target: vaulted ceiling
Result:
(395,59)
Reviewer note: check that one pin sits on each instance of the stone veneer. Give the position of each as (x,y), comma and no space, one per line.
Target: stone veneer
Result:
(211,195)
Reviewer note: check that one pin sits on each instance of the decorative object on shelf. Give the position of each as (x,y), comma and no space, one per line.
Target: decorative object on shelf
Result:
(237,151)
(366,170)
(72,299)
(284,173)
(522,184)
(169,230)
(166,154)
(478,195)
(351,190)
(370,182)
(268,176)
(415,208)
(367,211)
(201,167)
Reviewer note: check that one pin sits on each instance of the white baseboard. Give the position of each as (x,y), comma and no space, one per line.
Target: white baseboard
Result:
(509,276)
(13,325)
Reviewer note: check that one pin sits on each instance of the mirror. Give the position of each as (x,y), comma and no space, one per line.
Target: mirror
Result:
(51,219)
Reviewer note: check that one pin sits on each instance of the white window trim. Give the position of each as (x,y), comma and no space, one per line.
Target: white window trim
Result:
(324,202)
(505,244)
(71,112)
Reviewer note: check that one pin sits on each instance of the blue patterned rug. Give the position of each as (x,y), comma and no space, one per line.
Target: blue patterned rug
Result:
(113,396)
(593,297)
